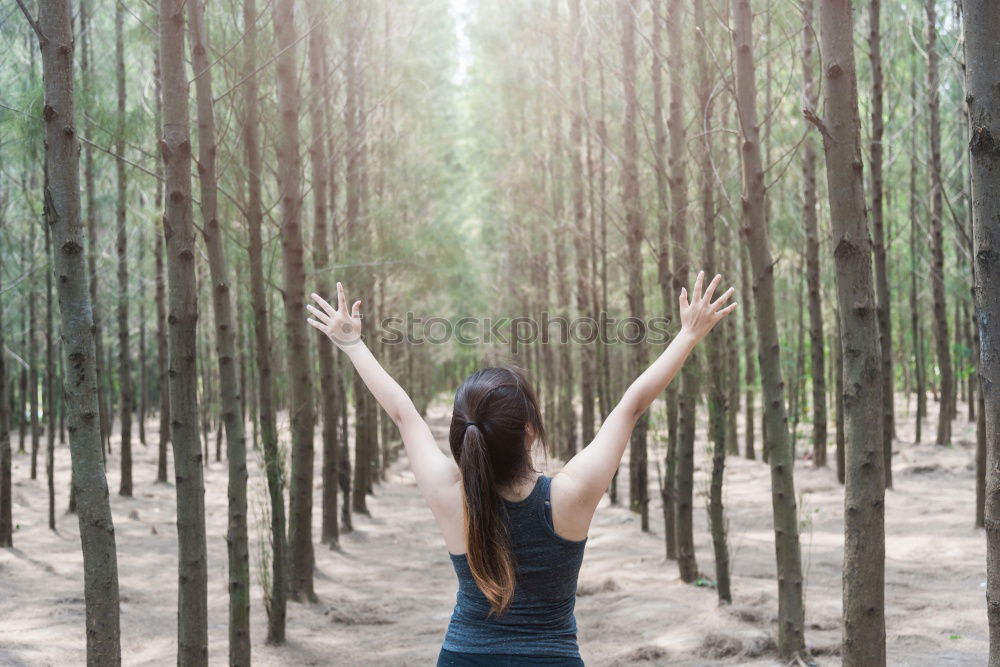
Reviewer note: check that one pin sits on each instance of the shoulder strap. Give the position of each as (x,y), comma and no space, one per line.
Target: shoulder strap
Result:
(547,481)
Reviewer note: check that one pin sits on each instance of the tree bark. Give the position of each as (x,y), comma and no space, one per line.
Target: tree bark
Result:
(791,640)
(809,210)
(124,360)
(878,236)
(941,338)
(638,491)
(225,340)
(182,319)
(687,397)
(62,215)
(717,399)
(275,598)
(864,520)
(981,23)
(162,348)
(301,416)
(6,514)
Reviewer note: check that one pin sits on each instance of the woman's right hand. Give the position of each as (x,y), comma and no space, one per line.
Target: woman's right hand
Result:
(341,326)
(700,315)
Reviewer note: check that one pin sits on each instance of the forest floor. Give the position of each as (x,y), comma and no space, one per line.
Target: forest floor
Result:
(385,598)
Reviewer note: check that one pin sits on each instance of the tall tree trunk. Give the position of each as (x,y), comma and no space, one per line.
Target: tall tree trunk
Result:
(62,214)
(330,534)
(275,598)
(809,210)
(50,385)
(91,221)
(175,145)
(124,361)
(687,397)
(981,23)
(162,349)
(638,491)
(916,330)
(225,340)
(6,514)
(864,519)
(717,399)
(301,396)
(791,639)
(669,491)
(878,236)
(749,359)
(32,357)
(941,339)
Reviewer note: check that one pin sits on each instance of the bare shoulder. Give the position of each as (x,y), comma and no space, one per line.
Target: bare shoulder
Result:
(572,507)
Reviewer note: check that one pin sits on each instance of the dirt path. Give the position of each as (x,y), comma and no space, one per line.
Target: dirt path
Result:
(386,597)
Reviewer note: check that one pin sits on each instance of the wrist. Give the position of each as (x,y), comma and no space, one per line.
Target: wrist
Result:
(687,337)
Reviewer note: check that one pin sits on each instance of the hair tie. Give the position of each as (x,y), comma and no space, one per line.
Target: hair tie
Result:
(468,424)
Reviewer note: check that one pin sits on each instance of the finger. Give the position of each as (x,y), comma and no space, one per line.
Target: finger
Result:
(316,324)
(710,292)
(322,302)
(722,299)
(341,299)
(683,299)
(320,315)
(356,310)
(696,292)
(728,309)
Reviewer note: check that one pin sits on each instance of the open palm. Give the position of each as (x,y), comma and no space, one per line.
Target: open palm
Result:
(700,315)
(341,325)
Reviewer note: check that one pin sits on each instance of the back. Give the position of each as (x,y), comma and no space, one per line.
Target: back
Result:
(540,618)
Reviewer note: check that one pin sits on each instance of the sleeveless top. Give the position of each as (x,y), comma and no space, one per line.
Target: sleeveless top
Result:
(539,620)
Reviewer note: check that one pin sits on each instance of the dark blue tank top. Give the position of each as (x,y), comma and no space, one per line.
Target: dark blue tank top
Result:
(540,620)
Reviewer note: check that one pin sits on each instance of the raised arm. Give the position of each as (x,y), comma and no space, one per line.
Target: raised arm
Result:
(432,468)
(588,474)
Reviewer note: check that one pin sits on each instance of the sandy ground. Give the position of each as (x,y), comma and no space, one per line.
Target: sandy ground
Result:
(386,597)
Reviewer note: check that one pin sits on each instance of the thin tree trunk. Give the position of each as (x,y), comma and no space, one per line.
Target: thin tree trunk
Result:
(275,598)
(941,338)
(864,496)
(162,349)
(62,215)
(981,23)
(687,397)
(638,491)
(6,514)
(916,330)
(878,237)
(50,385)
(301,395)
(124,361)
(225,340)
(816,335)
(175,145)
(791,639)
(717,403)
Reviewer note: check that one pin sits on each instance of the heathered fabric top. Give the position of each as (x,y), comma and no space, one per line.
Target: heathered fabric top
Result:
(540,618)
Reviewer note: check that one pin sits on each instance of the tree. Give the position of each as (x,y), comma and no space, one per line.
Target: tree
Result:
(817,367)
(301,394)
(864,495)
(124,362)
(178,228)
(62,215)
(275,599)
(941,338)
(638,492)
(981,23)
(225,339)
(6,517)
(791,639)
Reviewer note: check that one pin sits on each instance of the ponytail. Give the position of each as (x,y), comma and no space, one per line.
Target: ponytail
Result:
(494,409)
(490,556)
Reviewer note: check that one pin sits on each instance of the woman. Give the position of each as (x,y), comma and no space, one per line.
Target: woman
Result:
(515,537)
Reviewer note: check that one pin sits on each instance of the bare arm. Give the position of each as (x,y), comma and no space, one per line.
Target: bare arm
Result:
(433,470)
(588,474)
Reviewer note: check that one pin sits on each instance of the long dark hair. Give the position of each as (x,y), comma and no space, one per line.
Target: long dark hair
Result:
(493,409)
